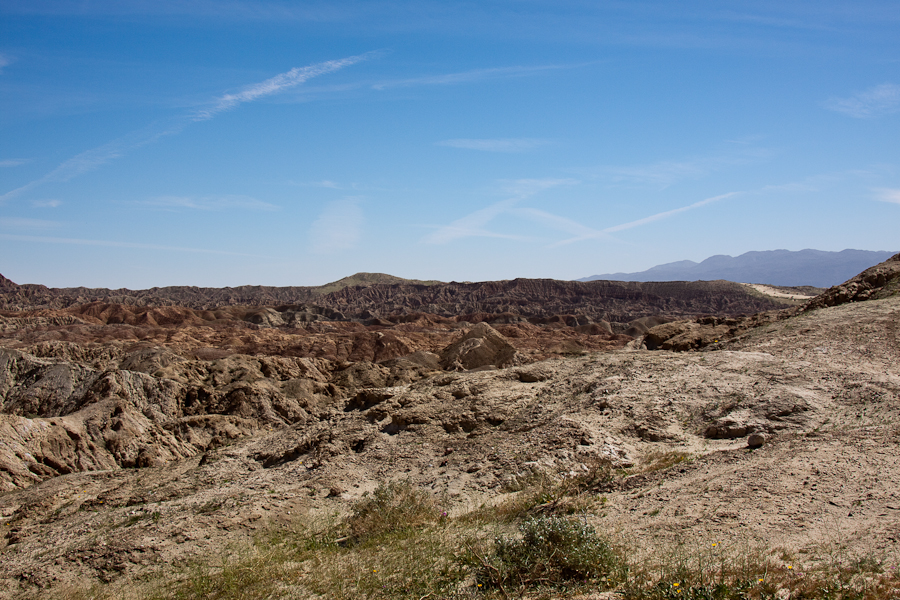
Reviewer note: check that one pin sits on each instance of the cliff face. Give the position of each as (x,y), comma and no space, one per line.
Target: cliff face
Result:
(612,301)
(31,297)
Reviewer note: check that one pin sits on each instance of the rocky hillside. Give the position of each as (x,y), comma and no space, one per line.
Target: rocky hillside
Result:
(880,281)
(134,438)
(609,301)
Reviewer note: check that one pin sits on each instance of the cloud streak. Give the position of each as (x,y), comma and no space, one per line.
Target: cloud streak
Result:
(666,173)
(495,145)
(12,162)
(888,195)
(20,223)
(646,220)
(874,102)
(556,222)
(276,84)
(473,224)
(92,159)
(96,157)
(663,174)
(209,203)
(46,203)
(113,244)
(469,76)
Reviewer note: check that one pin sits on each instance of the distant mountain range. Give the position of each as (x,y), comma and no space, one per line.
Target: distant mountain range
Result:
(774,267)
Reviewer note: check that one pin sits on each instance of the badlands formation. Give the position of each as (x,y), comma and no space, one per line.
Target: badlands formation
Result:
(144,430)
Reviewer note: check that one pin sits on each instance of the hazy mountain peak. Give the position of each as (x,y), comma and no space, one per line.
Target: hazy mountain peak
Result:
(817,268)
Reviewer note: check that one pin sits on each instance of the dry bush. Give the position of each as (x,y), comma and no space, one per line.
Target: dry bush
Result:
(716,572)
(661,460)
(392,507)
(549,552)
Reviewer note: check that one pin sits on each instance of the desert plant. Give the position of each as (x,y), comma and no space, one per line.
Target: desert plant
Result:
(661,460)
(552,551)
(392,507)
(541,492)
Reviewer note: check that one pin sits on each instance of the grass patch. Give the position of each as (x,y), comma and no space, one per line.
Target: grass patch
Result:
(393,507)
(398,542)
(551,552)
(660,461)
(541,492)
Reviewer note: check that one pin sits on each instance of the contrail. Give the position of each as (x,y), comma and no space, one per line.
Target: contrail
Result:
(645,220)
(91,159)
(112,244)
(290,79)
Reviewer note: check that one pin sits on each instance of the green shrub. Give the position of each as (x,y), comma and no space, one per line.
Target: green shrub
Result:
(392,507)
(553,551)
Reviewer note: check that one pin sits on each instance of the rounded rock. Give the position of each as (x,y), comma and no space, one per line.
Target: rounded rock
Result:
(756,440)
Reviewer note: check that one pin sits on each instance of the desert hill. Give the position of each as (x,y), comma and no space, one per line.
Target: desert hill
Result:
(815,268)
(369,298)
(367,279)
(31,296)
(137,438)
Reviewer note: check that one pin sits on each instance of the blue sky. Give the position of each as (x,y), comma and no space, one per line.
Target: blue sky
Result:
(221,143)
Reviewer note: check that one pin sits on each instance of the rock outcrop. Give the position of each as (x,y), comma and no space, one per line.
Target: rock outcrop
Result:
(481,346)
(878,282)
(519,299)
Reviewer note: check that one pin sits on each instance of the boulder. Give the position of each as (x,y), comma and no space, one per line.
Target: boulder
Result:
(480,346)
(756,440)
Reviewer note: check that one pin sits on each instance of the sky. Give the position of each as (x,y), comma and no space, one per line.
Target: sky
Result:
(231,142)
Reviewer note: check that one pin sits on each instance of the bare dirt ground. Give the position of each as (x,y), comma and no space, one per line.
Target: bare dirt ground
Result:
(823,386)
(775,292)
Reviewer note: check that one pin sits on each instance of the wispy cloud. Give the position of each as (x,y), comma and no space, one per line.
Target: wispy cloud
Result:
(238,10)
(794,186)
(443,79)
(651,219)
(888,195)
(12,162)
(46,203)
(669,213)
(96,157)
(208,203)
(552,221)
(20,223)
(114,244)
(473,224)
(91,159)
(525,188)
(338,228)
(327,183)
(495,145)
(5,61)
(665,173)
(874,102)
(276,84)
(469,76)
